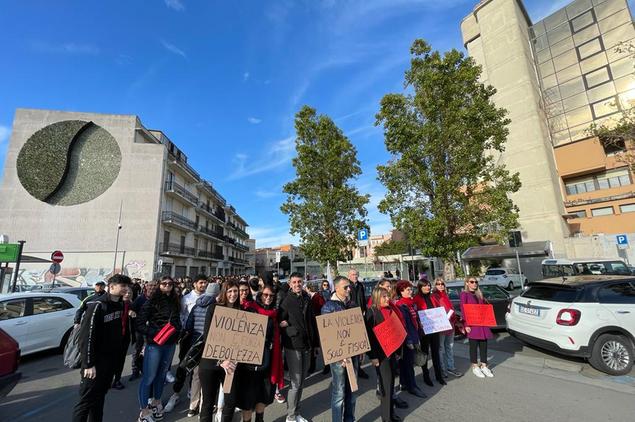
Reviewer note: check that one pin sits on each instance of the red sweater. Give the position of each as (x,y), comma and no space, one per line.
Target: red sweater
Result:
(421,303)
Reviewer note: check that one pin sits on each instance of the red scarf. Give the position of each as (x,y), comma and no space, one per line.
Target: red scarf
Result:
(124,318)
(277,367)
(410,303)
(444,300)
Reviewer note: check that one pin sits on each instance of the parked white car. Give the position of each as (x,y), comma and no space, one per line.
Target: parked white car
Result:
(508,278)
(38,321)
(586,316)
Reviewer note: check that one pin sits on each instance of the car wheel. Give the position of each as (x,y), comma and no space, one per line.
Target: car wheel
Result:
(64,340)
(510,286)
(612,354)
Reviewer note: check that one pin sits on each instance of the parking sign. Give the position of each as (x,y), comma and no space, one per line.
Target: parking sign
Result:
(362,234)
(622,241)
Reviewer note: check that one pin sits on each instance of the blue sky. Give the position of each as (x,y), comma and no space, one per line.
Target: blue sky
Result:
(223,79)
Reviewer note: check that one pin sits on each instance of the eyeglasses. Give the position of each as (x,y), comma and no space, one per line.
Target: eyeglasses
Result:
(439,284)
(167,283)
(472,282)
(266,295)
(347,287)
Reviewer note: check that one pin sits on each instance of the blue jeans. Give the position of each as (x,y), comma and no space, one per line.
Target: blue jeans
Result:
(407,369)
(342,398)
(446,350)
(156,363)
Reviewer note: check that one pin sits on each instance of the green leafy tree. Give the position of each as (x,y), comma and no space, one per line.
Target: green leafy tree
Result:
(324,209)
(445,187)
(285,263)
(392,247)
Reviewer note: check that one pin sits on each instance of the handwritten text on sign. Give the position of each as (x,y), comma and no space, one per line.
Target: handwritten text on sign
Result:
(236,335)
(342,335)
(434,320)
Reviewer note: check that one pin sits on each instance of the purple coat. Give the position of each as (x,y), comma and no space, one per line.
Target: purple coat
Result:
(476,333)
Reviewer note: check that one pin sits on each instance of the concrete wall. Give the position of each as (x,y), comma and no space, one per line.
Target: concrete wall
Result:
(496,36)
(87,232)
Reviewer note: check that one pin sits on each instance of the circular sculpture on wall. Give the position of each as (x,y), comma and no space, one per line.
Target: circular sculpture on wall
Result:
(69,162)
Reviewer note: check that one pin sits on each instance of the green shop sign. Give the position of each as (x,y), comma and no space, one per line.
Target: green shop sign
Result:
(9,252)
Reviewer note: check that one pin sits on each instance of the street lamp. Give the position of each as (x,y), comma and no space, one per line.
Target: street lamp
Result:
(114,264)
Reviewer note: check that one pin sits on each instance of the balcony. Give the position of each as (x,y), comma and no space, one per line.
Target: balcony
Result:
(207,232)
(174,219)
(180,192)
(220,214)
(174,249)
(241,247)
(238,260)
(208,211)
(210,255)
(229,240)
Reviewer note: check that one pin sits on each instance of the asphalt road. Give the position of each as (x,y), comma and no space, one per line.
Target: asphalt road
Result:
(529,385)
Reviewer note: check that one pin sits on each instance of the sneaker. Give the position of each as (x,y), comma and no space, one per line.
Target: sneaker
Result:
(117,385)
(174,399)
(280,398)
(146,418)
(485,370)
(400,403)
(455,373)
(192,412)
(299,418)
(169,377)
(218,416)
(157,410)
(477,371)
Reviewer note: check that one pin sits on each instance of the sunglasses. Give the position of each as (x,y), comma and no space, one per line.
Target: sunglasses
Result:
(167,283)
(347,287)
(472,282)
(439,284)
(265,295)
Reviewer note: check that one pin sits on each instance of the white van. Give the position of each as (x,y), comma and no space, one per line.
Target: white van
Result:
(583,266)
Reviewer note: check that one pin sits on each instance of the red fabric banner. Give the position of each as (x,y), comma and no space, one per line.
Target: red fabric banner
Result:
(479,315)
(390,334)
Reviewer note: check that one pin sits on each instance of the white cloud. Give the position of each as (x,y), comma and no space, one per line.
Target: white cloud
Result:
(173,49)
(175,4)
(265,194)
(66,48)
(246,76)
(254,120)
(4,134)
(272,236)
(277,154)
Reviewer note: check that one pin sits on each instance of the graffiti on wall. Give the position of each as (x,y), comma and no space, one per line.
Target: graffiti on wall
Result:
(81,276)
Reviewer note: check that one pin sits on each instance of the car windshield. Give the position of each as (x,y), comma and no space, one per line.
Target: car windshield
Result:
(495,272)
(552,293)
(493,292)
(586,268)
(454,292)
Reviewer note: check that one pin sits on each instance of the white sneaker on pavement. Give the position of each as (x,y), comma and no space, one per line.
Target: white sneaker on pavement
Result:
(145,418)
(169,406)
(477,371)
(299,418)
(485,370)
(217,417)
(169,377)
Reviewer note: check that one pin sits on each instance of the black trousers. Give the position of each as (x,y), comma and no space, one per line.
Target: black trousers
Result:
(92,394)
(121,361)
(137,365)
(482,348)
(211,382)
(430,344)
(386,378)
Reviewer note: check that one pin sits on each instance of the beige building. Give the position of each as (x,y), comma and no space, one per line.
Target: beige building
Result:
(556,77)
(111,193)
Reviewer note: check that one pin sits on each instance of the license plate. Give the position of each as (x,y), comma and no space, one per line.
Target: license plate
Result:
(529,311)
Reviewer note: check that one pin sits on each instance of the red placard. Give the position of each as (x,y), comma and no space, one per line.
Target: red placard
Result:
(479,315)
(390,334)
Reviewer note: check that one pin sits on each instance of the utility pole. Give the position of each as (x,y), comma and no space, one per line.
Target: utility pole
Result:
(114,264)
(17,264)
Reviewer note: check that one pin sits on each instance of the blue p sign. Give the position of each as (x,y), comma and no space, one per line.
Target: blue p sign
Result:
(622,239)
(362,234)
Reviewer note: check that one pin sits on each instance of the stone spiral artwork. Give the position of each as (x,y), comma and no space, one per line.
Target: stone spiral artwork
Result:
(69,162)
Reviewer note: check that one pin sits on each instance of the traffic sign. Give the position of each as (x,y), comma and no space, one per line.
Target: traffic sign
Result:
(55,268)
(278,256)
(9,252)
(622,241)
(362,234)
(57,257)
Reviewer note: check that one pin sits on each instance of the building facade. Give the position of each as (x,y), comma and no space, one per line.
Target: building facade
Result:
(113,196)
(556,78)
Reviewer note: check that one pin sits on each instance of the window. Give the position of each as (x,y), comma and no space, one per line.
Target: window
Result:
(546,68)
(574,102)
(599,92)
(613,147)
(571,87)
(562,46)
(579,116)
(45,305)
(540,43)
(622,67)
(607,8)
(582,21)
(598,212)
(619,293)
(579,214)
(627,208)
(555,19)
(552,293)
(577,7)
(593,63)
(571,72)
(589,48)
(565,60)
(10,309)
(604,107)
(615,20)
(585,35)
(597,77)
(558,34)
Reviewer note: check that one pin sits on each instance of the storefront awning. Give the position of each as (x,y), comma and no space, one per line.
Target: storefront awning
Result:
(528,249)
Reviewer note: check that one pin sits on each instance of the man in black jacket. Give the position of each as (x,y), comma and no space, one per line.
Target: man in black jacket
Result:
(100,289)
(100,342)
(299,338)
(358,297)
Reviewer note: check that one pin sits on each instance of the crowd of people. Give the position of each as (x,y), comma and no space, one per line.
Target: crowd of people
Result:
(157,316)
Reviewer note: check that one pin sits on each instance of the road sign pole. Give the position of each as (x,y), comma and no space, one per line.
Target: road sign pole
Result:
(17,264)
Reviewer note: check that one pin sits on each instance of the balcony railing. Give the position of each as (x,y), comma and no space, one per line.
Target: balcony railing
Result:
(241,247)
(229,240)
(220,214)
(176,249)
(171,186)
(174,218)
(238,260)
(210,255)
(212,233)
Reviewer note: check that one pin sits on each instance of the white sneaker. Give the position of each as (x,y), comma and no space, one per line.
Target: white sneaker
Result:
(299,418)
(174,399)
(477,371)
(169,377)
(146,418)
(217,417)
(485,370)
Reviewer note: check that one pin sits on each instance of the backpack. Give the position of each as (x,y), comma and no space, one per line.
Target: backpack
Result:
(72,352)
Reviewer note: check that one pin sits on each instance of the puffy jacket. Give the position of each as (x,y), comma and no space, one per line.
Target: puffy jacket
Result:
(301,333)
(196,320)
(155,313)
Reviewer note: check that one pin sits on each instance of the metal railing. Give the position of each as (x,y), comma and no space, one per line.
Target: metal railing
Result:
(172,217)
(210,255)
(212,233)
(176,249)
(172,186)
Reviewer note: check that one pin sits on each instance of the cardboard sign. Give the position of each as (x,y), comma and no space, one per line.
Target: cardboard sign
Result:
(479,315)
(434,320)
(237,336)
(390,334)
(342,335)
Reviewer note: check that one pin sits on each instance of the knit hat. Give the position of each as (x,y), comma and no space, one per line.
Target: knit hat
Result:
(213,289)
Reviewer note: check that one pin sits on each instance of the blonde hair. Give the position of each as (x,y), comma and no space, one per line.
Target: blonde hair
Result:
(436,280)
(477,292)
(376,296)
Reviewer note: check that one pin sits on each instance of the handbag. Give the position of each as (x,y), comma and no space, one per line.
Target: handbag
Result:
(193,355)
(165,332)
(421,358)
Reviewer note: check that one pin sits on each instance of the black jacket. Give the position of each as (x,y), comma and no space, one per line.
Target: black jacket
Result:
(358,295)
(82,308)
(101,338)
(372,318)
(155,313)
(301,334)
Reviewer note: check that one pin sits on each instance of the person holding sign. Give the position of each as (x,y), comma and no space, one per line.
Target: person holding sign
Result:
(429,342)
(342,397)
(379,311)
(212,372)
(478,336)
(446,343)
(408,308)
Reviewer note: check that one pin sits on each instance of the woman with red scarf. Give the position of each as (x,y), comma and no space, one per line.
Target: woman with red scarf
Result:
(408,308)
(429,342)
(259,382)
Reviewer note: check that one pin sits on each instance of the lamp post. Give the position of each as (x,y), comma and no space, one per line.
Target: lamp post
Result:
(114,264)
